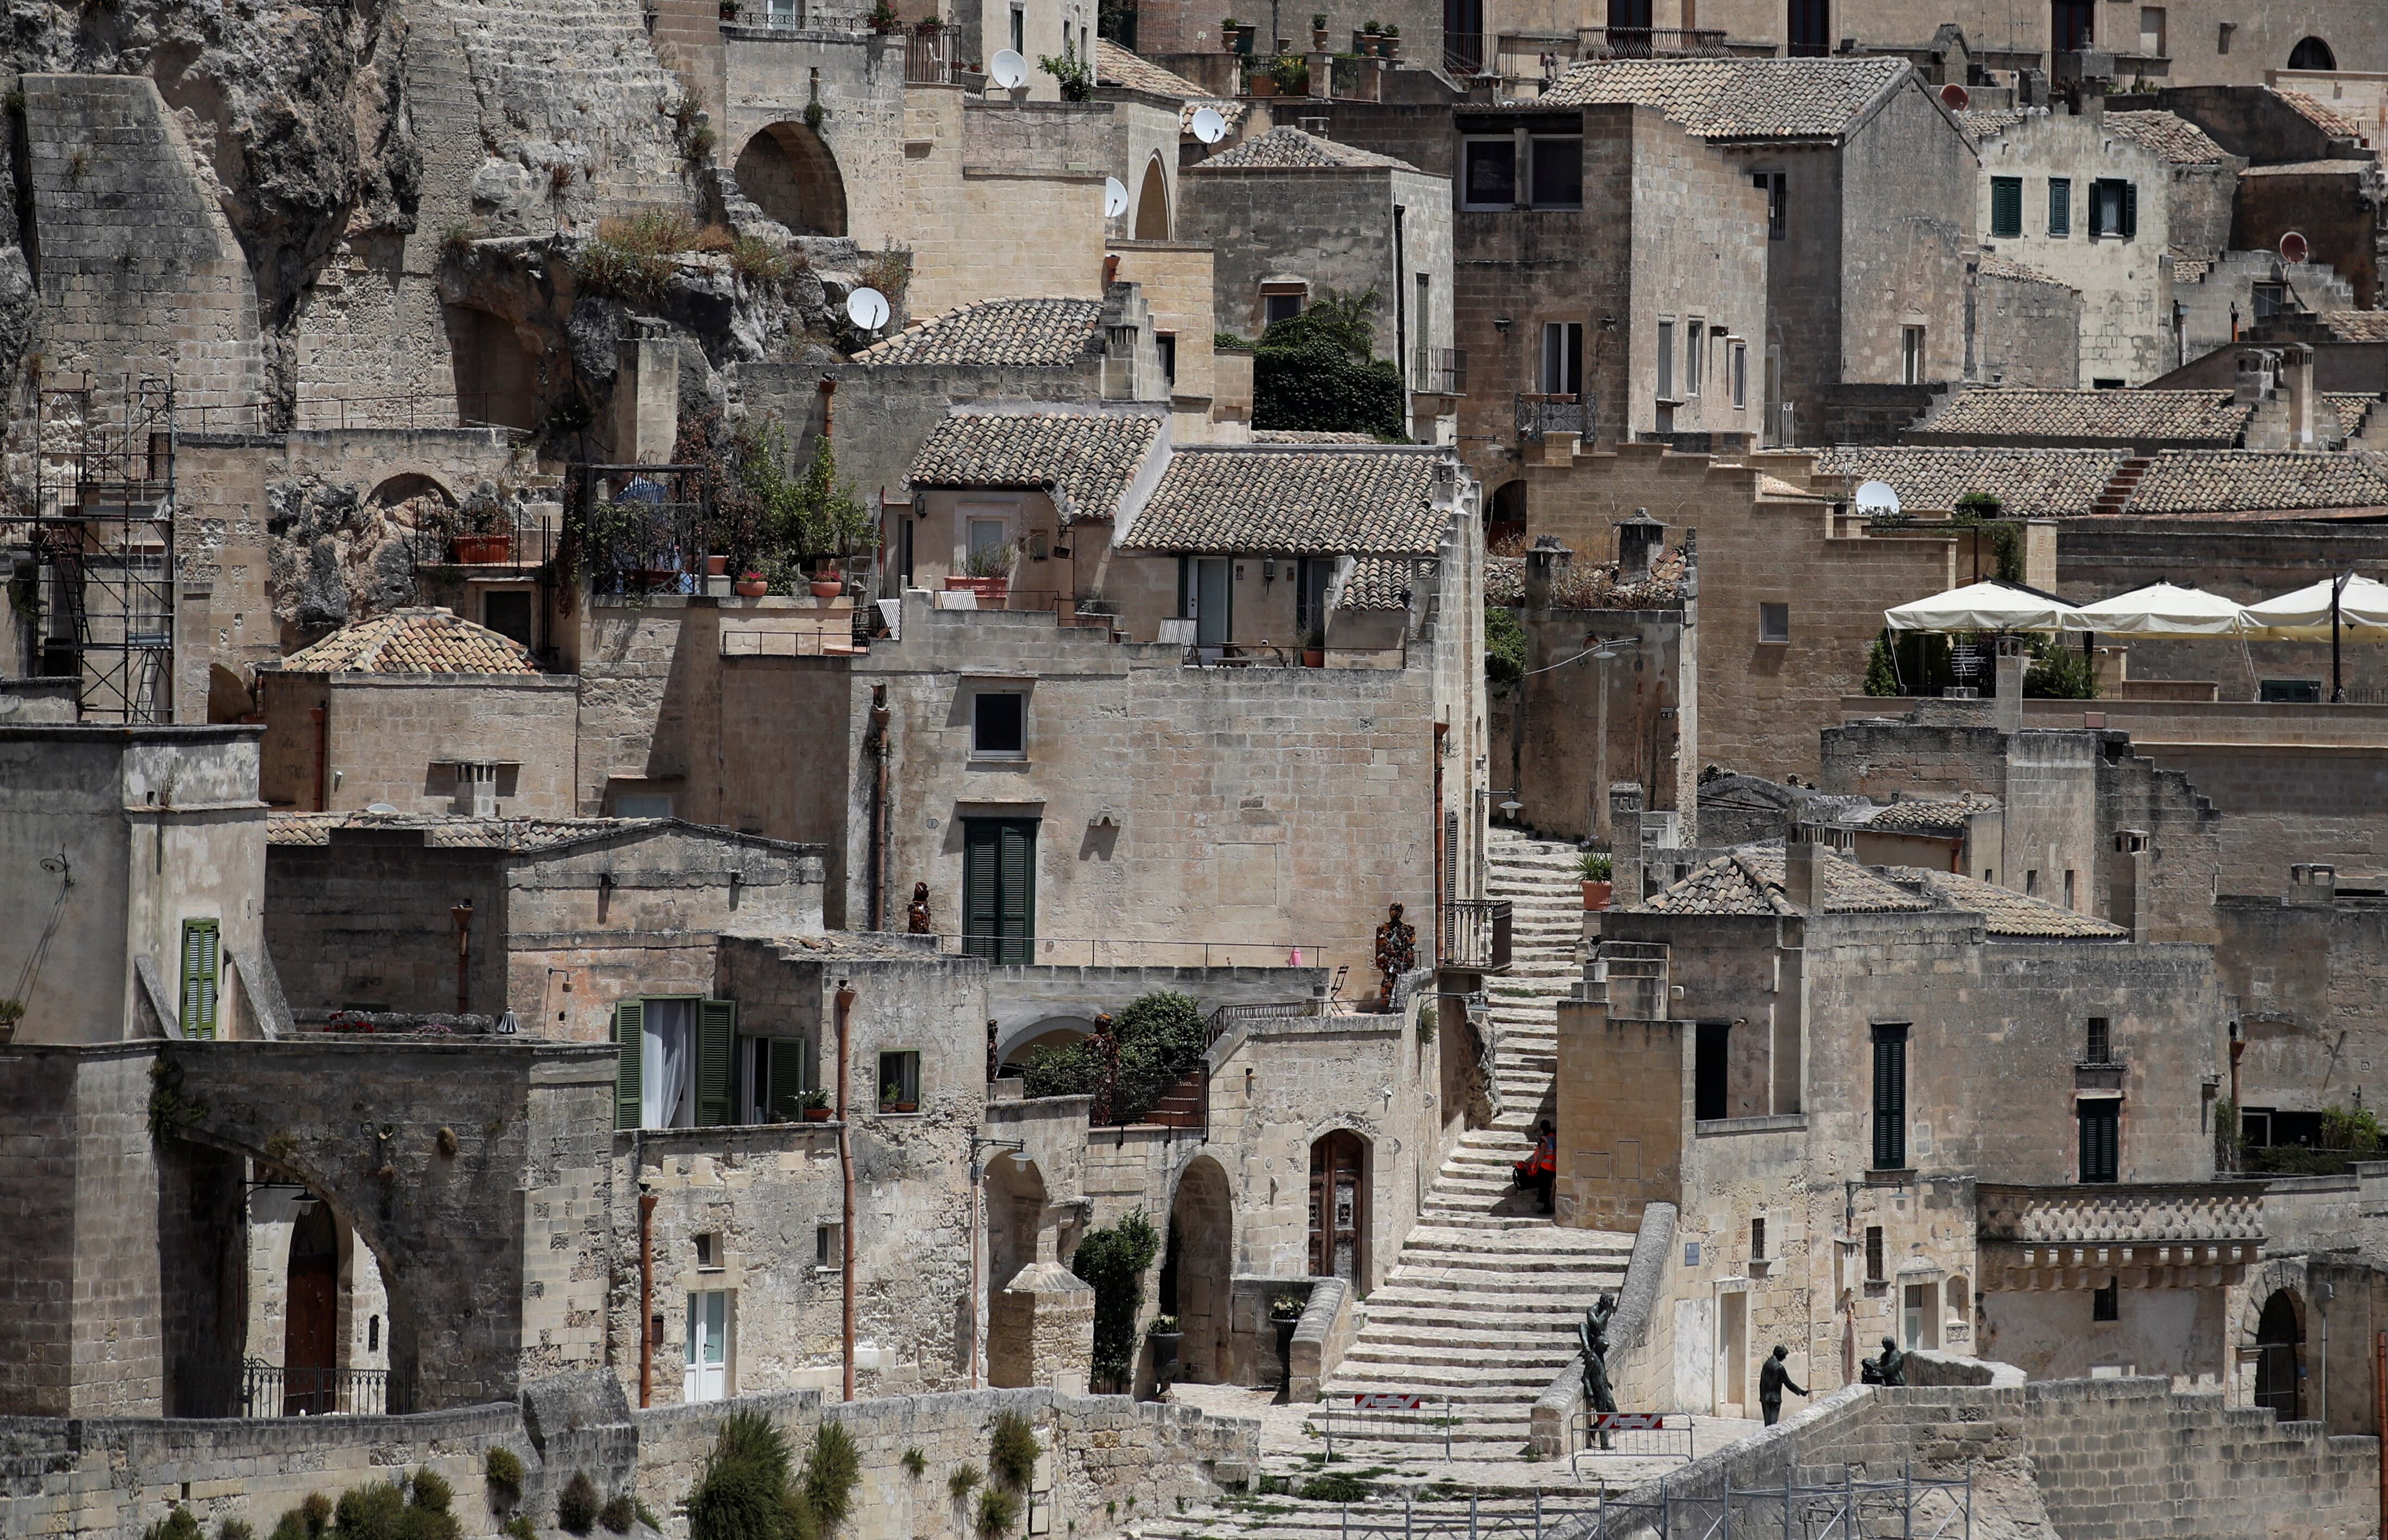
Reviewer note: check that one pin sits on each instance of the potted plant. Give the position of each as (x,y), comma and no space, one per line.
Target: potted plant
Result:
(1285,1314)
(986,574)
(1595,868)
(1230,34)
(1318,32)
(1372,38)
(751,585)
(1292,74)
(890,1099)
(813,1106)
(1165,1335)
(883,19)
(480,536)
(1261,83)
(1392,41)
(828,582)
(1313,647)
(729,10)
(11,1012)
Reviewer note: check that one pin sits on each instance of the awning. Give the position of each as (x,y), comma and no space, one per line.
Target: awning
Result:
(2166,610)
(2304,615)
(1989,605)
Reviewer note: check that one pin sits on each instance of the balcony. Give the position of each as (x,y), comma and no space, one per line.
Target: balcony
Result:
(1439,371)
(931,55)
(267,1390)
(1592,43)
(1476,935)
(644,528)
(2153,1234)
(1542,414)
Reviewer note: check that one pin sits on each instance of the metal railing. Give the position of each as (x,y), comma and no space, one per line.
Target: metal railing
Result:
(1091,951)
(1912,1507)
(1227,1018)
(1439,371)
(1650,43)
(930,55)
(1463,54)
(1541,413)
(420,411)
(268,1390)
(1475,934)
(1778,425)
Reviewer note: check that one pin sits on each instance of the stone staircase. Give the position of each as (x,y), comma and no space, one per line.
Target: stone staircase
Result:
(1482,1306)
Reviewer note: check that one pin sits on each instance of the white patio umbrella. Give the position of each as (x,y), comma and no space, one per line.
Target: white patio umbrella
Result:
(1988,605)
(2168,609)
(2308,615)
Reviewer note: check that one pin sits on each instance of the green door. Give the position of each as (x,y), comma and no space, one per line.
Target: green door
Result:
(1000,888)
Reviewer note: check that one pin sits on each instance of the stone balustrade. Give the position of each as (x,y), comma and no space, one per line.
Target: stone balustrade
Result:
(2179,1233)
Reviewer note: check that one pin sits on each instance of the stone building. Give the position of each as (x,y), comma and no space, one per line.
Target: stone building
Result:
(2301,964)
(2026,326)
(1797,1051)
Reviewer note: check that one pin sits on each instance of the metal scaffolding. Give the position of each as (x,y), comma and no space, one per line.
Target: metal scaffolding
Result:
(103,539)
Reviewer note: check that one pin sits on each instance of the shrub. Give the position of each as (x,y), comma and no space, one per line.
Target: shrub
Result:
(1882,673)
(916,1464)
(1160,1039)
(646,1516)
(1114,1262)
(1317,370)
(519,1527)
(963,1482)
(1335,1486)
(502,1469)
(1505,646)
(316,1512)
(2059,672)
(382,1512)
(632,259)
(618,1514)
(758,262)
(290,1526)
(576,1510)
(1595,867)
(431,1490)
(235,1529)
(1013,1449)
(178,1524)
(999,1511)
(832,1469)
(744,1493)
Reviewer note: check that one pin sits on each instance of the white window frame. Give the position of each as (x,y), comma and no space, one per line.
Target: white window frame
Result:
(1915,357)
(1737,362)
(1695,347)
(979,752)
(710,1320)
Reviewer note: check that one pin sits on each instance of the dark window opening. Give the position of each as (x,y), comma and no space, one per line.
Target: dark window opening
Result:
(2098,1045)
(1758,1240)
(2106,1303)
(2006,207)
(2060,206)
(1711,1061)
(999,722)
(507,611)
(1774,622)
(1558,167)
(2312,53)
(1167,342)
(1776,185)
(1875,1264)
(1562,372)
(2114,209)
(1489,169)
(2101,1127)
(2072,25)
(1811,29)
(2290,692)
(899,1081)
(1889,1098)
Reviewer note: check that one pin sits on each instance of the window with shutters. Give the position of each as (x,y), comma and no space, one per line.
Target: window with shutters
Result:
(774,1074)
(1876,1264)
(675,1058)
(1666,359)
(2006,207)
(202,976)
(2060,206)
(2101,1129)
(2114,209)
(1911,358)
(1000,888)
(1889,1098)
(1562,364)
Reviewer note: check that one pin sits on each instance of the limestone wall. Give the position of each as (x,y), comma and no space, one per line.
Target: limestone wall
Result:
(1004,200)
(2025,334)
(395,739)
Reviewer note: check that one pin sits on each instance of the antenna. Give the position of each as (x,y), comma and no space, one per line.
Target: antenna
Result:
(867,308)
(2293,248)
(1209,125)
(1955,97)
(1877,497)
(1115,197)
(1007,69)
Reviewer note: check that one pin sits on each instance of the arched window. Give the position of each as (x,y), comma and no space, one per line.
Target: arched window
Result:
(2280,1338)
(2312,53)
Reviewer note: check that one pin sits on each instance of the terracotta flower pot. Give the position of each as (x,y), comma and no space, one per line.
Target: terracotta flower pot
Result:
(827,587)
(1314,657)
(483,550)
(816,1115)
(750,585)
(1596,894)
(997,589)
(716,566)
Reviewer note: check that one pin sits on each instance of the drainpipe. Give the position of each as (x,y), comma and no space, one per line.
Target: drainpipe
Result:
(322,719)
(845,1172)
(463,915)
(646,1294)
(880,718)
(977,1175)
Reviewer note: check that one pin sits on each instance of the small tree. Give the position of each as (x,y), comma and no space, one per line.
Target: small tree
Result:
(1505,646)
(1979,512)
(1114,1262)
(1319,370)
(1881,670)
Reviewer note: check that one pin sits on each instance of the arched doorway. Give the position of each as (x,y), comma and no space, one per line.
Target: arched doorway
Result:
(1195,1270)
(311,1322)
(1015,1213)
(1505,516)
(789,172)
(2312,53)
(1338,1208)
(2280,1367)
(1052,1031)
(1153,203)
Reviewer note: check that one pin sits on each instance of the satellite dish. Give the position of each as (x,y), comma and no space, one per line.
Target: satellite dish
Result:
(1877,497)
(1210,126)
(867,308)
(1115,197)
(1008,70)
(2293,248)
(381,809)
(1955,97)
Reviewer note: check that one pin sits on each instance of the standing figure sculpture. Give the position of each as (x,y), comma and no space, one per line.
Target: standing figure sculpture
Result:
(1889,1369)
(1396,952)
(916,913)
(1591,1336)
(1106,1049)
(1773,1378)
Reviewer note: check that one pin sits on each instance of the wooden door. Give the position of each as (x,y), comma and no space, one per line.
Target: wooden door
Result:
(311,1317)
(1338,1208)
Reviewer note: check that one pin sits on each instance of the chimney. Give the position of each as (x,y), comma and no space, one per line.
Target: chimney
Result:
(2006,710)
(2128,898)
(2312,885)
(1799,867)
(1625,843)
(2252,385)
(1639,540)
(1545,563)
(2297,365)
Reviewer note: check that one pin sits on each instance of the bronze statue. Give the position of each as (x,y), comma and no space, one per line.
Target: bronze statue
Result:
(1396,952)
(1889,1369)
(1106,1049)
(1591,1336)
(994,1066)
(916,913)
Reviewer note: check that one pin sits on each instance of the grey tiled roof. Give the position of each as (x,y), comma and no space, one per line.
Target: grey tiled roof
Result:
(1116,66)
(1051,333)
(1938,816)
(2032,483)
(2123,416)
(2194,481)
(2170,135)
(1989,122)
(452,831)
(1996,266)
(1749,881)
(1739,98)
(1085,459)
(1296,500)
(1378,583)
(1289,149)
(2005,912)
(2357,325)
(2350,410)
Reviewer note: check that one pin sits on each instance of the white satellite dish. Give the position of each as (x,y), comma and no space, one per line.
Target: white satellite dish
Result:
(1877,497)
(1115,197)
(867,308)
(1209,125)
(1008,70)
(382,810)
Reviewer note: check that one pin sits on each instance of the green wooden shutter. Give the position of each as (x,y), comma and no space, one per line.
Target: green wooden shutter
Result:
(202,954)
(2060,206)
(982,861)
(784,1092)
(1017,897)
(630,1034)
(2006,207)
(1889,1098)
(2130,210)
(717,1040)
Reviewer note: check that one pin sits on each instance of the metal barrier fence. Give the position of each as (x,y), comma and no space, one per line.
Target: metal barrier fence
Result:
(1909,1508)
(1056,951)
(1633,1435)
(268,1390)
(1383,1419)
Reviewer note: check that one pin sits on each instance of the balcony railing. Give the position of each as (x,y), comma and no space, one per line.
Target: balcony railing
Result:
(270,1391)
(1778,425)
(1650,43)
(1463,53)
(1439,371)
(2080,1236)
(1476,935)
(644,528)
(1542,414)
(931,54)
(1062,952)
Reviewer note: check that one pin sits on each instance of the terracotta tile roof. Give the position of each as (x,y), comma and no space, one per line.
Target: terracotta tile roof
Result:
(450,832)
(1086,459)
(2032,483)
(2170,135)
(427,641)
(1028,334)
(2005,912)
(1995,266)
(1739,98)
(1989,122)
(2330,122)
(2197,481)
(1749,881)
(2350,410)
(1938,816)
(1289,149)
(1378,583)
(2357,325)
(1309,436)
(2121,416)
(1292,500)
(1116,66)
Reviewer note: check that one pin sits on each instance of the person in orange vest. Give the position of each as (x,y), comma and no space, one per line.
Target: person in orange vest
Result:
(1540,1170)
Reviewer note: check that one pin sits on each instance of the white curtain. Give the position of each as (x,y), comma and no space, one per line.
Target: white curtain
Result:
(667,1065)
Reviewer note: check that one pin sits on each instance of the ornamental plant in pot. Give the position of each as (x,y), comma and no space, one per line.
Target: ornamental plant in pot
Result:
(11,1012)
(1313,648)
(1165,1335)
(1318,32)
(1285,1314)
(813,1106)
(1595,868)
(481,537)
(987,573)
(752,585)
(828,582)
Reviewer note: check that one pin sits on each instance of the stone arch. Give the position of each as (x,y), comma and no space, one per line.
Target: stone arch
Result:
(2280,1354)
(1152,202)
(409,487)
(792,175)
(1505,514)
(1051,1031)
(2312,53)
(1198,1267)
(229,698)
